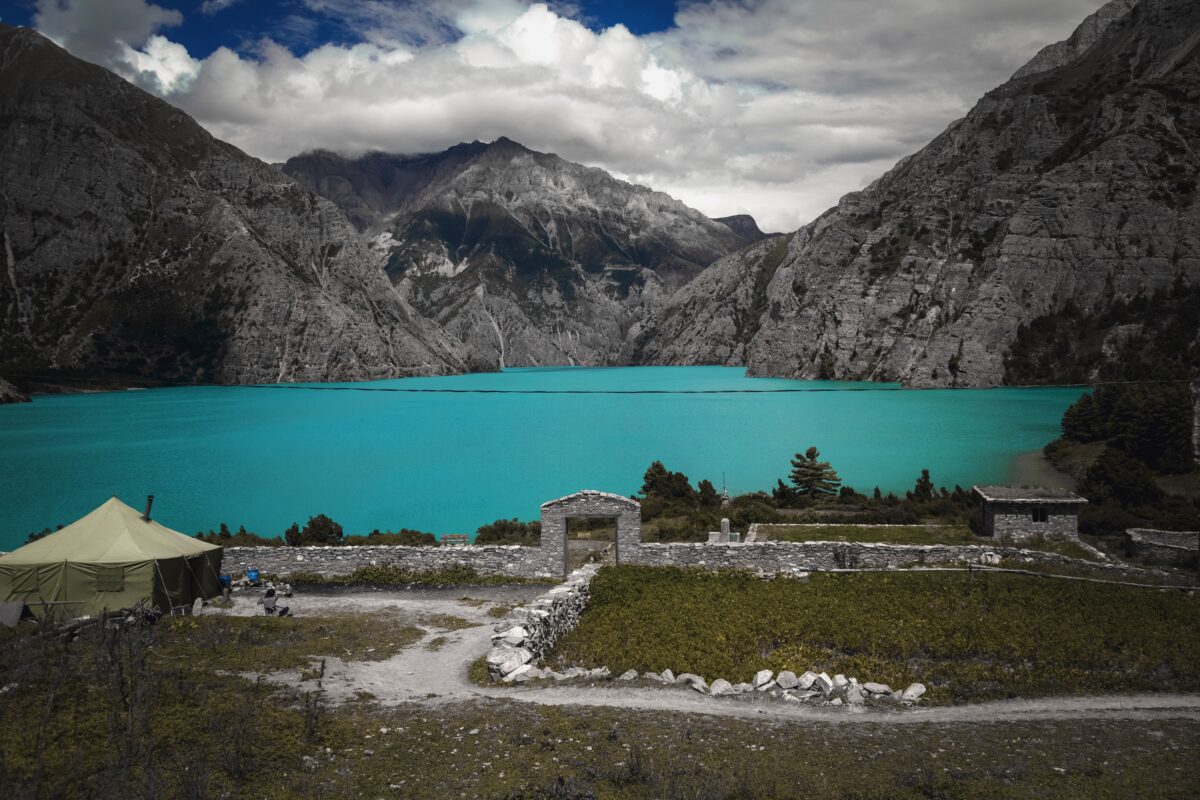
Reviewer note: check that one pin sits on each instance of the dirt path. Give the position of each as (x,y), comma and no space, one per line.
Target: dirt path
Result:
(434,671)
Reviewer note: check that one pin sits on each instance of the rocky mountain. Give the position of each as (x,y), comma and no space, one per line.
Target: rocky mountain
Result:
(526,258)
(744,226)
(139,246)
(1067,191)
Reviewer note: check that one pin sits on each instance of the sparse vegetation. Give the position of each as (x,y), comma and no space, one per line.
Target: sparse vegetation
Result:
(965,637)
(391,575)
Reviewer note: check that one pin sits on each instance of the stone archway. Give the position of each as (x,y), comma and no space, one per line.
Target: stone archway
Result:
(589,504)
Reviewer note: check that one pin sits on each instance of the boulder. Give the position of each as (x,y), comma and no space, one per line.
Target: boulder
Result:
(837,701)
(768,686)
(787,680)
(762,677)
(806,680)
(628,675)
(688,677)
(516,672)
(807,695)
(913,693)
(855,695)
(742,688)
(700,686)
(824,684)
(720,686)
(840,682)
(877,688)
(668,676)
(652,676)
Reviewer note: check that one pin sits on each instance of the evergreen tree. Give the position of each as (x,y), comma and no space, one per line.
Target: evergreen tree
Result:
(708,494)
(321,530)
(292,535)
(662,483)
(1121,477)
(924,487)
(811,476)
(784,495)
(1082,421)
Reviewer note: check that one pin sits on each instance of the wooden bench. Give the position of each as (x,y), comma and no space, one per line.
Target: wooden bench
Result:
(455,538)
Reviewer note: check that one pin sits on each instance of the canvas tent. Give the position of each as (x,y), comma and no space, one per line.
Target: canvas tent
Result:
(110,559)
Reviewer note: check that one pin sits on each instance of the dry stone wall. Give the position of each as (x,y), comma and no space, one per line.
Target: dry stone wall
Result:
(529,632)
(522,562)
(1169,548)
(786,557)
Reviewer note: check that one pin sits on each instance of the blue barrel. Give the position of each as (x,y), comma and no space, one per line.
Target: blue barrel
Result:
(252,575)
(226,581)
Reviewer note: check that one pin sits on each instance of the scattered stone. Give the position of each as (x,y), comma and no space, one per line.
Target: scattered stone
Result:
(787,680)
(840,682)
(824,684)
(700,686)
(516,672)
(807,695)
(806,680)
(652,676)
(877,688)
(763,676)
(687,677)
(668,676)
(837,701)
(855,695)
(913,693)
(742,688)
(720,686)
(766,687)
(629,675)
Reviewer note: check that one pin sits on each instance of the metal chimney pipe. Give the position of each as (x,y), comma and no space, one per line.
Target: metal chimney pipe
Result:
(149,502)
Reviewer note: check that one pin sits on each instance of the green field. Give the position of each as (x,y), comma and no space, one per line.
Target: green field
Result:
(966,637)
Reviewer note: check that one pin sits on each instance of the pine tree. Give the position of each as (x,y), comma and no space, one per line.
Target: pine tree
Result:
(708,494)
(924,488)
(812,477)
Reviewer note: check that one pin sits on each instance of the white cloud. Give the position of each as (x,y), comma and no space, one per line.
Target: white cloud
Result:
(771,107)
(213,6)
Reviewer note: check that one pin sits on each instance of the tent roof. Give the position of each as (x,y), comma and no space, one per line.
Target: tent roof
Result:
(112,534)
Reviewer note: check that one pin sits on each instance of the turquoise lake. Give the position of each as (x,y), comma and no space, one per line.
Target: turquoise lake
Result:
(266,457)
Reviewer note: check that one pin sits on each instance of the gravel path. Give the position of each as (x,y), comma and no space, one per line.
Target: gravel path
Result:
(439,676)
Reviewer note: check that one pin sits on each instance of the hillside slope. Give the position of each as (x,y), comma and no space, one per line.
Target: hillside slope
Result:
(138,246)
(527,258)
(1071,188)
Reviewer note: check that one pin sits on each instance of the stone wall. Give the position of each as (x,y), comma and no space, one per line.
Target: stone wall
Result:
(1015,520)
(523,562)
(785,557)
(1170,548)
(528,633)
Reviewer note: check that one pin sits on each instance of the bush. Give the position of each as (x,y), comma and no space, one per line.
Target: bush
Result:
(510,531)
(319,530)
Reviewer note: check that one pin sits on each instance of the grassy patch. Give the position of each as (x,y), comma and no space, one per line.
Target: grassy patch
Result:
(99,718)
(436,643)
(396,576)
(897,534)
(499,612)
(262,644)
(446,622)
(478,672)
(965,637)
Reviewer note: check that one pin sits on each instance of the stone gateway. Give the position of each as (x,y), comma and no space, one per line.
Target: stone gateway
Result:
(589,504)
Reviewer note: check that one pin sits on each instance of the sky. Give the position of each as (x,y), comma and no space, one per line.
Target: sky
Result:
(774,108)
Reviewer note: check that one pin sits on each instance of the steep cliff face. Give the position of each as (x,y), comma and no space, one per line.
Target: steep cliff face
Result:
(136,244)
(1072,185)
(526,258)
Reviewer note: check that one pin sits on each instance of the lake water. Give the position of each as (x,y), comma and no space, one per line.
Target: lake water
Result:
(266,457)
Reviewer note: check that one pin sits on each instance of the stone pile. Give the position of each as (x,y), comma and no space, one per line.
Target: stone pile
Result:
(528,632)
(814,687)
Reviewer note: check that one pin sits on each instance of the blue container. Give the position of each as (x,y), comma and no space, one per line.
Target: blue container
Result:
(226,581)
(252,575)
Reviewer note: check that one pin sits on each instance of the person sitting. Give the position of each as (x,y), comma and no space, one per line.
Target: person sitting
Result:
(271,606)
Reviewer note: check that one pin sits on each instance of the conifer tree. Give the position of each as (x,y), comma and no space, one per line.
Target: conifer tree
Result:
(813,477)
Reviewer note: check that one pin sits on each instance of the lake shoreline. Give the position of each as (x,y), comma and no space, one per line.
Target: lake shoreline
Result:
(1034,469)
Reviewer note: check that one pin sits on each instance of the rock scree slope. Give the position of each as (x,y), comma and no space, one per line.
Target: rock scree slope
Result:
(1074,184)
(137,245)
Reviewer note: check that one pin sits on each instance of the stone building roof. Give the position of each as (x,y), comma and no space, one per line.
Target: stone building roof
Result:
(593,496)
(1027,494)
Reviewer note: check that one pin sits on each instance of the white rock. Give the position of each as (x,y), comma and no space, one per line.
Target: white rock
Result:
(652,676)
(516,672)
(823,684)
(806,680)
(913,692)
(837,701)
(742,688)
(700,686)
(877,688)
(854,695)
(768,686)
(762,677)
(787,680)
(720,686)
(688,677)
(668,676)
(629,675)
(840,682)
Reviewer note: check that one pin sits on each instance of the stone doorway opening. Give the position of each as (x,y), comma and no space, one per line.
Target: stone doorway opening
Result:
(589,505)
(591,540)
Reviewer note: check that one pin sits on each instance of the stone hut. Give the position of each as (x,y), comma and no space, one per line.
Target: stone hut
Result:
(1022,512)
